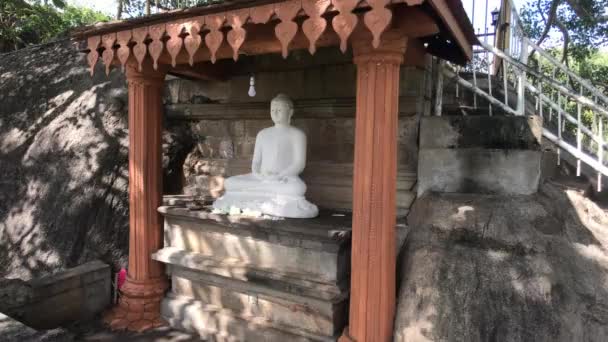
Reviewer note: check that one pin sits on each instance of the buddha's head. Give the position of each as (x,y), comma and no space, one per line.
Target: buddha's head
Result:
(281,109)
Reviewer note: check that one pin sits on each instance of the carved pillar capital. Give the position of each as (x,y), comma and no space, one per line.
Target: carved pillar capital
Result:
(147,75)
(391,51)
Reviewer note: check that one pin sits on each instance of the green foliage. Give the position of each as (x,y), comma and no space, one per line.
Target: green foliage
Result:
(24,23)
(137,8)
(579,26)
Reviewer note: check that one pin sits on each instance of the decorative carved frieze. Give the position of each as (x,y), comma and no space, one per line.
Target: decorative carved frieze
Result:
(236,36)
(344,23)
(314,26)
(123,51)
(214,38)
(93,55)
(189,33)
(139,49)
(155,48)
(286,30)
(108,53)
(175,42)
(193,40)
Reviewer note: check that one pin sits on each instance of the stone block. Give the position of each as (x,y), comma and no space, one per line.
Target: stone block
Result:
(12,330)
(74,294)
(278,308)
(475,170)
(480,154)
(216,324)
(213,128)
(493,132)
(253,127)
(311,247)
(290,284)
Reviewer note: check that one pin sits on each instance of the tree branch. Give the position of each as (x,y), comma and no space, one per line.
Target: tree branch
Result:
(580,10)
(550,20)
(566,37)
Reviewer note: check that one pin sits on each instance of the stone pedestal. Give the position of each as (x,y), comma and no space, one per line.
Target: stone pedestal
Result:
(254,279)
(139,304)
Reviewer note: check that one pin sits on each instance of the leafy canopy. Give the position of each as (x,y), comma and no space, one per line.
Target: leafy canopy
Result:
(580,26)
(33,22)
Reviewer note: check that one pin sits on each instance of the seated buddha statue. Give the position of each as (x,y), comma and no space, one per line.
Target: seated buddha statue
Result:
(273,187)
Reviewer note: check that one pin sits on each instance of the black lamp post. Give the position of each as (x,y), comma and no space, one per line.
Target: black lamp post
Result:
(495,13)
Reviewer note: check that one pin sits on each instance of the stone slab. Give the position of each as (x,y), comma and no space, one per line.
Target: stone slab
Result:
(216,324)
(295,283)
(317,248)
(12,330)
(480,154)
(329,228)
(492,132)
(477,170)
(326,266)
(74,294)
(278,308)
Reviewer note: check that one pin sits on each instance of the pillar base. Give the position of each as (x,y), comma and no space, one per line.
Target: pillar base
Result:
(138,307)
(346,337)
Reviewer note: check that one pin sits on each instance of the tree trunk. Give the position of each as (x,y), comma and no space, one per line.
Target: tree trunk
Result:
(148,7)
(119,9)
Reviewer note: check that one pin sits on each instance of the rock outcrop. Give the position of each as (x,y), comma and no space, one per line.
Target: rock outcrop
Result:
(63,162)
(505,268)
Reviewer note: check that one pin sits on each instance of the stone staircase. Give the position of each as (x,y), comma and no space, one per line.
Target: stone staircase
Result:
(255,279)
(480,154)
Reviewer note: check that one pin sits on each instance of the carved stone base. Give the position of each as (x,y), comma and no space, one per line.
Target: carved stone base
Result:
(138,308)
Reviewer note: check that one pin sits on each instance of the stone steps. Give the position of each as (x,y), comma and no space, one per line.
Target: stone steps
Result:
(233,276)
(238,270)
(216,324)
(479,154)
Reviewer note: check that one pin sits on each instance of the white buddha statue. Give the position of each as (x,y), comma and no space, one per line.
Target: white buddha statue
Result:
(273,187)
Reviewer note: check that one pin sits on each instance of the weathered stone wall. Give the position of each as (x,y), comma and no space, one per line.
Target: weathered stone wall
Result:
(226,120)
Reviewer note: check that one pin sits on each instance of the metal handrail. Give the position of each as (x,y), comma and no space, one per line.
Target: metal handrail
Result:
(582,99)
(592,89)
(508,61)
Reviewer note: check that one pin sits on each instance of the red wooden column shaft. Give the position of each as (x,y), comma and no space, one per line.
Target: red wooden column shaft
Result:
(372,302)
(139,305)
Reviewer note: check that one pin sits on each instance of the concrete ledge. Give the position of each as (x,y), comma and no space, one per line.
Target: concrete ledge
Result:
(75,294)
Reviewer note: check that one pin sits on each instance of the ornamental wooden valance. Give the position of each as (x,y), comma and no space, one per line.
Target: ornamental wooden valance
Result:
(115,43)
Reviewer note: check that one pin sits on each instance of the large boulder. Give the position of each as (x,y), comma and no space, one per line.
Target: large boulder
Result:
(63,162)
(504,268)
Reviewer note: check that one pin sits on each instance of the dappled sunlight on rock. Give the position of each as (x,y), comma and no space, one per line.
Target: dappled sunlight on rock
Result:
(534,266)
(461,215)
(64,162)
(594,253)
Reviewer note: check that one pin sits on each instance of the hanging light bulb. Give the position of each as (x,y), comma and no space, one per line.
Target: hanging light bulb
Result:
(251,91)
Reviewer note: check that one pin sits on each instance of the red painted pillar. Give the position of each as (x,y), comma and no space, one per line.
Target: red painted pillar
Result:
(372,302)
(139,305)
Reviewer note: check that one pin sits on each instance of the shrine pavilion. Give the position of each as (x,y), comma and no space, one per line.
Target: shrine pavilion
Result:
(381,35)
